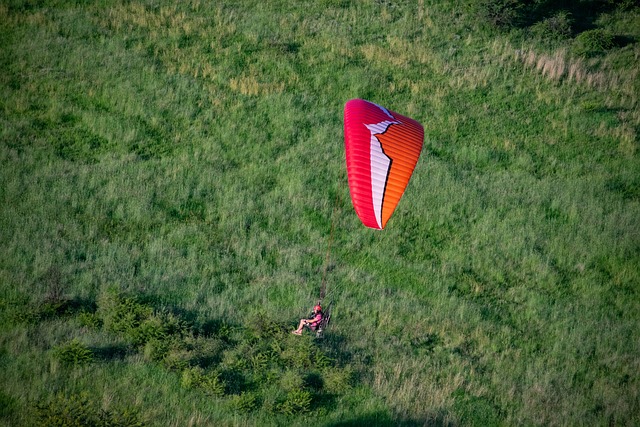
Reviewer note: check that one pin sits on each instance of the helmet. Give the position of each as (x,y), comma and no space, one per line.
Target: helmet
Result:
(317,308)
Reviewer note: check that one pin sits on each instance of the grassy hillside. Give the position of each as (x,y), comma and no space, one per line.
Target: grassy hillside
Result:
(171,173)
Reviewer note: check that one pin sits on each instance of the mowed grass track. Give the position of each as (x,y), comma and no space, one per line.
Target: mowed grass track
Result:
(191,155)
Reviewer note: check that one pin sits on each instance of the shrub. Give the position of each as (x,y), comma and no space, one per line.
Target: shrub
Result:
(90,320)
(209,382)
(625,4)
(500,13)
(298,353)
(297,401)
(244,402)
(234,380)
(234,359)
(8,405)
(259,362)
(74,354)
(150,329)
(177,359)
(203,351)
(337,381)
(138,322)
(155,350)
(80,411)
(263,327)
(273,397)
(262,361)
(555,28)
(66,412)
(122,315)
(191,377)
(321,360)
(592,42)
(291,380)
(160,345)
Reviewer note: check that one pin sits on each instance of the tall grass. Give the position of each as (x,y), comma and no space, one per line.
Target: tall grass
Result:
(191,155)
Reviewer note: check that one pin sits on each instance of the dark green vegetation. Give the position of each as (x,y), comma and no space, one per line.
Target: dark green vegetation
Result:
(170,173)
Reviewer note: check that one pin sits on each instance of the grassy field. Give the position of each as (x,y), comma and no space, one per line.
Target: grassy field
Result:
(171,173)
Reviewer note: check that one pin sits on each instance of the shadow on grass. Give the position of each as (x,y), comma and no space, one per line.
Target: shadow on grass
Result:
(111,352)
(383,419)
(335,347)
(332,344)
(622,41)
(584,13)
(73,306)
(51,309)
(215,327)
(324,401)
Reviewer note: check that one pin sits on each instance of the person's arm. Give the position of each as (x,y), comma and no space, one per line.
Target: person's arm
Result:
(315,320)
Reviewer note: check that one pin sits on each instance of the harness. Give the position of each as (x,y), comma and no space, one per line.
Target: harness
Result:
(324,322)
(317,319)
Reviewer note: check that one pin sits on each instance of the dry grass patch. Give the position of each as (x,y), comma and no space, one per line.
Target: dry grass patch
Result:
(249,85)
(168,20)
(414,391)
(398,53)
(561,66)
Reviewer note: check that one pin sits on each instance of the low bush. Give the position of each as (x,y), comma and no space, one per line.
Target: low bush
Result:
(592,42)
(263,327)
(90,320)
(337,381)
(140,324)
(123,315)
(74,354)
(207,381)
(245,364)
(299,353)
(177,359)
(155,350)
(8,405)
(500,13)
(244,402)
(297,401)
(555,28)
(291,380)
(80,411)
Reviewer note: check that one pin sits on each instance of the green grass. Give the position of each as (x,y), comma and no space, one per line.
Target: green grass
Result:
(190,157)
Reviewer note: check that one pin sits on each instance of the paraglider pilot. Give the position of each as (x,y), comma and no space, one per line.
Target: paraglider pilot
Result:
(311,322)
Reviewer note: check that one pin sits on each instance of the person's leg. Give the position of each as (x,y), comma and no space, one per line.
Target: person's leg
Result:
(300,326)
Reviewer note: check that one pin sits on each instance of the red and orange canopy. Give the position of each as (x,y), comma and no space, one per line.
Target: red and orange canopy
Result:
(382,149)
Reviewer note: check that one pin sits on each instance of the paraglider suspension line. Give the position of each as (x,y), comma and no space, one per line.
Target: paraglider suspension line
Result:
(323,286)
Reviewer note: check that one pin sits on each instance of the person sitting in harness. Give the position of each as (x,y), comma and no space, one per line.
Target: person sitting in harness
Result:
(312,322)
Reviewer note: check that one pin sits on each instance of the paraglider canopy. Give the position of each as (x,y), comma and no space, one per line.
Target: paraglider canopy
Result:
(382,149)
